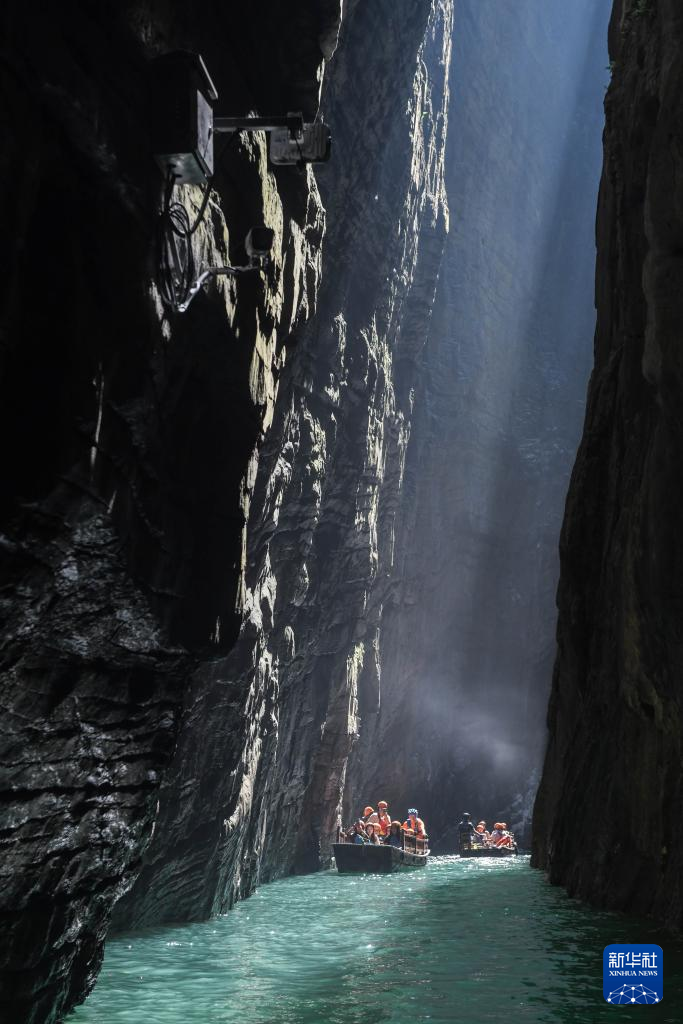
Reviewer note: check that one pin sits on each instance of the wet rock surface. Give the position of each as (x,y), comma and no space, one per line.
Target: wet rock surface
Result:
(607,817)
(131,440)
(256,786)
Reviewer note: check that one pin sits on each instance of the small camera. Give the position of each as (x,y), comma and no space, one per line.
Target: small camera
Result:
(259,243)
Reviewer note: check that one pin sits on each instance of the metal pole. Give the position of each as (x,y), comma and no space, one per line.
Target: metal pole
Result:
(294,122)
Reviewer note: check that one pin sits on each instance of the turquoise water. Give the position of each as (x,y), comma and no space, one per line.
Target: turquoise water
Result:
(465,941)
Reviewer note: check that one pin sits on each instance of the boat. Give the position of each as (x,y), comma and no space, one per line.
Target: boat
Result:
(467,849)
(356,858)
(489,851)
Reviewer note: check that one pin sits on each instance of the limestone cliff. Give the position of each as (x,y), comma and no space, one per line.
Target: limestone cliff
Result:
(607,821)
(130,441)
(256,786)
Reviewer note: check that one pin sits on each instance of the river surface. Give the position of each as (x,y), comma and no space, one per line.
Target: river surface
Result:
(461,941)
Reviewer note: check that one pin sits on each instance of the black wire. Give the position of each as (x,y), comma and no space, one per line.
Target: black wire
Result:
(202,208)
(176,260)
(177,271)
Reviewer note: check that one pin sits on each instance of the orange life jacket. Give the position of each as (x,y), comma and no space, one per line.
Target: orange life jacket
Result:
(419,826)
(384,823)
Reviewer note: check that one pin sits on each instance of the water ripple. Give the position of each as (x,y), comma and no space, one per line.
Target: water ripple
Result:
(466,941)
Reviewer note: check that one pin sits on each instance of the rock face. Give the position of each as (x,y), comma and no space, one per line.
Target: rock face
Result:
(613,767)
(468,618)
(131,442)
(256,786)
(402,532)
(244,555)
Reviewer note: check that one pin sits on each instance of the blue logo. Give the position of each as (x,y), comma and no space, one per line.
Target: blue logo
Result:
(633,973)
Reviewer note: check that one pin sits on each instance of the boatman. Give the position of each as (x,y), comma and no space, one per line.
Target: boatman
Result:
(465,831)
(414,825)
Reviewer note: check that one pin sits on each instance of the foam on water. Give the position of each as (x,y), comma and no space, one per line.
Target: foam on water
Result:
(466,941)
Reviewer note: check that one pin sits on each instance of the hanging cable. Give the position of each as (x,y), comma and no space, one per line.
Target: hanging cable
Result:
(176,259)
(178,281)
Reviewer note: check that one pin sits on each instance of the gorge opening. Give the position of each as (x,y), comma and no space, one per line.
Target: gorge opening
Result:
(294,548)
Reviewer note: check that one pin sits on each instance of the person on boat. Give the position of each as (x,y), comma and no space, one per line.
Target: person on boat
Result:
(497,833)
(371,833)
(506,838)
(383,818)
(380,817)
(350,834)
(358,834)
(414,825)
(478,836)
(484,831)
(369,815)
(395,836)
(465,831)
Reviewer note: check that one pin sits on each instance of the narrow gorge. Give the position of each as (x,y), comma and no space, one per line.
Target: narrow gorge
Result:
(297,548)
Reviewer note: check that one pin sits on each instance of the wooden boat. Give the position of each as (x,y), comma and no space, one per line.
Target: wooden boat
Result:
(468,849)
(489,851)
(353,858)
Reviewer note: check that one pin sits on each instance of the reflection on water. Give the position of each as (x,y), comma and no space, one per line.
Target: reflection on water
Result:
(465,941)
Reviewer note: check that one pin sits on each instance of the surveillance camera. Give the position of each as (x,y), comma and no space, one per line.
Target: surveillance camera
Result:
(259,242)
(312,146)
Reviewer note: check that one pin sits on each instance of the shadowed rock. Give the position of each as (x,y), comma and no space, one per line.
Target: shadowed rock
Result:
(131,440)
(607,820)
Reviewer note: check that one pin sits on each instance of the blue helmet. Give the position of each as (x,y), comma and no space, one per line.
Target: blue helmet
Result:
(413,810)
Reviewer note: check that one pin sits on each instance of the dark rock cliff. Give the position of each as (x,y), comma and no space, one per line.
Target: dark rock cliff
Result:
(607,820)
(130,441)
(468,622)
(247,560)
(256,786)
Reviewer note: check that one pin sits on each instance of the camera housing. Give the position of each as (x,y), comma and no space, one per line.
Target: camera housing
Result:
(312,146)
(259,242)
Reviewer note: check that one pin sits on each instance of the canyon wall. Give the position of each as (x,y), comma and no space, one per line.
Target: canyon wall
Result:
(256,786)
(130,440)
(607,817)
(257,566)
(469,621)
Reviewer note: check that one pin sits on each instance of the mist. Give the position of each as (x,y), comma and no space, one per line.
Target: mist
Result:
(468,635)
